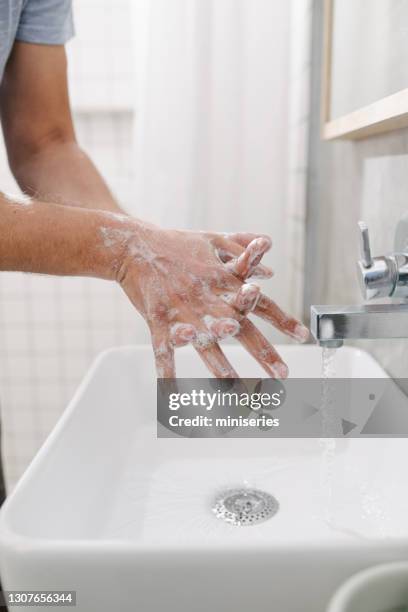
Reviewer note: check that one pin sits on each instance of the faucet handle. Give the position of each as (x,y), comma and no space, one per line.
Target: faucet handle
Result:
(378,276)
(365,250)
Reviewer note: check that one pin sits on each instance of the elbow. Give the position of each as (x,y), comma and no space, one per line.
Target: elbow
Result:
(27,150)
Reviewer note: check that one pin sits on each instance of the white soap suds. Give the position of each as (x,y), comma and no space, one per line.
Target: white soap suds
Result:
(21,199)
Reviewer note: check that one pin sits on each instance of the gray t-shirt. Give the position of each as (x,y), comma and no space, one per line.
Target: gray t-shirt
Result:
(47,22)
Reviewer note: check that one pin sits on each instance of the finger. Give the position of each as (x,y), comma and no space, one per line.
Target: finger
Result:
(261,272)
(163,354)
(222,327)
(182,334)
(247,298)
(268,310)
(205,344)
(260,348)
(244,238)
(244,265)
(216,361)
(229,250)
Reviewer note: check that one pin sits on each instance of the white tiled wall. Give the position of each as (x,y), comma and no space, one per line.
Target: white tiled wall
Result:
(52,328)
(100,56)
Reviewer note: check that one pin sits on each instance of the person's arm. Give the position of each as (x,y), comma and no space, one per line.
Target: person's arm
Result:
(44,155)
(49,239)
(188,286)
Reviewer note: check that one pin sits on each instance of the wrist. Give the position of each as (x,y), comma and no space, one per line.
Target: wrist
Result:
(125,242)
(45,238)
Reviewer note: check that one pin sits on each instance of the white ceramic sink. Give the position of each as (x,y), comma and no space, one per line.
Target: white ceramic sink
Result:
(125,519)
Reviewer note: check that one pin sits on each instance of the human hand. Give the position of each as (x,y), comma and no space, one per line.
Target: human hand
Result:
(191,287)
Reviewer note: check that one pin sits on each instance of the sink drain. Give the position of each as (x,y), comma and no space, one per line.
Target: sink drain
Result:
(243,507)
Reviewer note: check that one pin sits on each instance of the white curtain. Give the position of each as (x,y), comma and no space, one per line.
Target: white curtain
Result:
(212,117)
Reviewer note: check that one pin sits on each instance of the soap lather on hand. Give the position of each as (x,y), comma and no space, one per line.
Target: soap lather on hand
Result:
(195,288)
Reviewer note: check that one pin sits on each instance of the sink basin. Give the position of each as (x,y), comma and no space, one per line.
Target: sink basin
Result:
(125,519)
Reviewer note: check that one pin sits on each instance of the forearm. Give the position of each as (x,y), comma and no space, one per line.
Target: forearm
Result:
(62,173)
(50,239)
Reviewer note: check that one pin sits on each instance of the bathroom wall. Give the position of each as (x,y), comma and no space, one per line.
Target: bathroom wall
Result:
(349,181)
(52,328)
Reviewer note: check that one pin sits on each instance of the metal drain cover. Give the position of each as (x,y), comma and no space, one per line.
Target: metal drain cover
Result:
(243,507)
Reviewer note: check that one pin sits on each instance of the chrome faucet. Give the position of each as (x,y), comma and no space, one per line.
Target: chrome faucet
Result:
(380,277)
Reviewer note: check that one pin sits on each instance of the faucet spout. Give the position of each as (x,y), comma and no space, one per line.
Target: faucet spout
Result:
(331,325)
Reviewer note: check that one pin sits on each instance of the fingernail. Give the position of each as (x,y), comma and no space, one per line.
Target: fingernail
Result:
(301,333)
(187,334)
(229,327)
(256,249)
(183,332)
(248,297)
(249,290)
(279,370)
(262,243)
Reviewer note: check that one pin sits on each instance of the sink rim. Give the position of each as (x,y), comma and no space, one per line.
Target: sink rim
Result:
(11,541)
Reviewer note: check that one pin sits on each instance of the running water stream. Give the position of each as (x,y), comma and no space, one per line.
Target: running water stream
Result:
(327,441)
(364,514)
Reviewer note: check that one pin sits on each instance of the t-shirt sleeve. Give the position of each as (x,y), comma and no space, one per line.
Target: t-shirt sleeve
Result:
(47,22)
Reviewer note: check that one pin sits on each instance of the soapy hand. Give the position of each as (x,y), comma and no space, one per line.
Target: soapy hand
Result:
(191,287)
